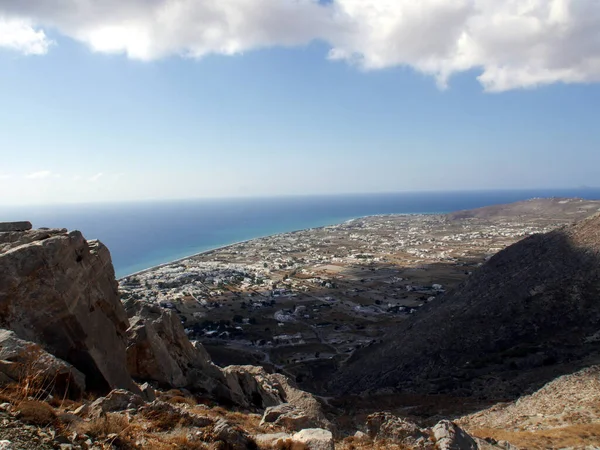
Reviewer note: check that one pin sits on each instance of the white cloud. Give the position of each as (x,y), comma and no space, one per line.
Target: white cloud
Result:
(5,176)
(18,34)
(96,177)
(513,43)
(39,175)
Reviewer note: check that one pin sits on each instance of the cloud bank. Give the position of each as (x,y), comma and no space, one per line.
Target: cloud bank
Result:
(512,43)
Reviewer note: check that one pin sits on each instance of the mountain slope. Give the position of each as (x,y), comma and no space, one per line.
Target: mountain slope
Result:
(528,315)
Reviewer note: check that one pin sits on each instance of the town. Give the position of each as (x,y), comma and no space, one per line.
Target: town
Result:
(303,302)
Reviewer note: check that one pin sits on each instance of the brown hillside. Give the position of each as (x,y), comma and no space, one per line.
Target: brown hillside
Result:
(528,315)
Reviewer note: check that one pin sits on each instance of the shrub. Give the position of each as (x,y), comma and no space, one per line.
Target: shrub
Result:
(36,412)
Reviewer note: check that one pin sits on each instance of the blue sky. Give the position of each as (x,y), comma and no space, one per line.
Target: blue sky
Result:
(89,119)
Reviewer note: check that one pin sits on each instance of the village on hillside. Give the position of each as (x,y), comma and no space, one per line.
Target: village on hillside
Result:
(308,299)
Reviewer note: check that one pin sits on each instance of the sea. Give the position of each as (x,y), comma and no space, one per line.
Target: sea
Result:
(144,234)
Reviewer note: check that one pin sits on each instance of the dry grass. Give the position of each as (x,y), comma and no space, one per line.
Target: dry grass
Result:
(182,438)
(34,383)
(570,436)
(248,421)
(288,444)
(110,423)
(35,412)
(352,443)
(179,400)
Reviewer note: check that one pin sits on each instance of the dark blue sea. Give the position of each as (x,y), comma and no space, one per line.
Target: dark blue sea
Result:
(144,234)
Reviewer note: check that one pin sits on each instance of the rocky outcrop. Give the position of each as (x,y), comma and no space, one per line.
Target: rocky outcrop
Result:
(314,439)
(20,360)
(159,350)
(232,436)
(449,436)
(288,416)
(116,400)
(14,226)
(528,315)
(172,415)
(59,290)
(384,425)
(254,385)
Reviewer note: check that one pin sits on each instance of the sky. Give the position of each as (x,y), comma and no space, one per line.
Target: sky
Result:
(160,99)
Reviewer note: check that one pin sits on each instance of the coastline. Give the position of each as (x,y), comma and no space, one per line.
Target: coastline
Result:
(222,247)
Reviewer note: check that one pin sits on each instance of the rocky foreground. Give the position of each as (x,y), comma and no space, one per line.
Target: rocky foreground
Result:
(81,369)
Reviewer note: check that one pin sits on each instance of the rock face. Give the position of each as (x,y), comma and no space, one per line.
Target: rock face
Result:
(387,426)
(20,359)
(314,439)
(116,400)
(254,385)
(59,290)
(449,436)
(234,437)
(159,350)
(528,315)
(257,388)
(14,226)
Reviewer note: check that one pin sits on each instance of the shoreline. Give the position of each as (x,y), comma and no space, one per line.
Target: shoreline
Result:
(222,247)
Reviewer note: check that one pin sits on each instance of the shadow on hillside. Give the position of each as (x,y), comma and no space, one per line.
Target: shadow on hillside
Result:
(529,315)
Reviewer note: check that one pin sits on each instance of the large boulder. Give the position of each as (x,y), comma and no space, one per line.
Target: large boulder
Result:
(288,416)
(314,439)
(116,400)
(253,386)
(232,436)
(159,350)
(20,360)
(260,389)
(386,426)
(59,291)
(450,436)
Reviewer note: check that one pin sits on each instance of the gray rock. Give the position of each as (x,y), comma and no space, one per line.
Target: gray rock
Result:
(116,400)
(288,416)
(159,350)
(20,359)
(169,413)
(269,440)
(314,439)
(360,435)
(148,392)
(14,226)
(384,425)
(450,436)
(234,437)
(263,390)
(60,292)
(83,410)
(253,386)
